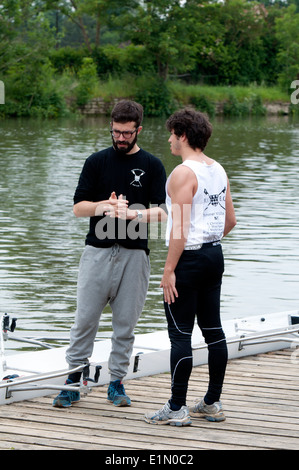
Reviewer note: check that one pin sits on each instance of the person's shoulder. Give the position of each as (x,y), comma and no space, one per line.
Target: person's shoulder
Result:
(219,167)
(181,174)
(181,171)
(100,154)
(150,156)
(97,159)
(182,184)
(155,164)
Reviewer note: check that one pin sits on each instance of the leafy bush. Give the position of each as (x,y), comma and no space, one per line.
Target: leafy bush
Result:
(256,106)
(203,104)
(250,105)
(88,80)
(67,58)
(233,107)
(154,96)
(33,92)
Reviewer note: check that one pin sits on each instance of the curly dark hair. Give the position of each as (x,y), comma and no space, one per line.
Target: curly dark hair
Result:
(194,124)
(127,111)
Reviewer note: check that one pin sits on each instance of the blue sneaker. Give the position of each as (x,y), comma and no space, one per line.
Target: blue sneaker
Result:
(66,397)
(117,394)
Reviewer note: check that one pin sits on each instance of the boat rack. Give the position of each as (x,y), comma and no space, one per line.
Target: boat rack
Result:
(14,383)
(267,337)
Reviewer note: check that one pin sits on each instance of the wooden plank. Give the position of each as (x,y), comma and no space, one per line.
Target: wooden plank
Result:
(7,444)
(259,397)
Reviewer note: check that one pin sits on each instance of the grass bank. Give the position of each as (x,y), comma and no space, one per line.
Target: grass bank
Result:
(159,98)
(185,93)
(59,95)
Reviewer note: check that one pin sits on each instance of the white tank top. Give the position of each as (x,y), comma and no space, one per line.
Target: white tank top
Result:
(208,204)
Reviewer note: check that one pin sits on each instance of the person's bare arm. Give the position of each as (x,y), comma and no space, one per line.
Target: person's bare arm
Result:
(230,216)
(181,189)
(153,214)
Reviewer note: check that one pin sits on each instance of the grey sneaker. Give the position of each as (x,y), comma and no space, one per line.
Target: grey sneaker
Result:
(166,416)
(212,412)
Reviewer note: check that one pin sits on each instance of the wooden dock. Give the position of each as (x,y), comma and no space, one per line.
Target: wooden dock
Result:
(260,400)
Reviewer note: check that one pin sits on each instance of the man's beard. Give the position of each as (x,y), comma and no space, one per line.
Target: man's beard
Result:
(127,146)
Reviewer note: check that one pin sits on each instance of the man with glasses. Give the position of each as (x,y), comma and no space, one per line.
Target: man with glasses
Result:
(116,187)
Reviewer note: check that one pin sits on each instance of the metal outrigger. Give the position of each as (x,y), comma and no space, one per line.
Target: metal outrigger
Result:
(15,384)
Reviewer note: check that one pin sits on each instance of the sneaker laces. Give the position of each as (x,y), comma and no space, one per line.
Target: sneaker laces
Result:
(120,389)
(163,412)
(117,387)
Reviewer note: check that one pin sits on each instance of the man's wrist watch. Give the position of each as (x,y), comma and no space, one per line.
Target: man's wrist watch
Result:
(139,214)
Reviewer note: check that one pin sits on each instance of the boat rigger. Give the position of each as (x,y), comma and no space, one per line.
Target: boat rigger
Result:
(28,375)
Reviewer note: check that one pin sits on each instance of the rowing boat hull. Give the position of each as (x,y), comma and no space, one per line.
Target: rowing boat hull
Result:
(151,355)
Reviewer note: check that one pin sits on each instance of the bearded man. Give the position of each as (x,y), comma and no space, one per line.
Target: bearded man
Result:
(116,187)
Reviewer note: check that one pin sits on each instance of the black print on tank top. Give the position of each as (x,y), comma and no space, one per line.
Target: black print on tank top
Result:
(216,199)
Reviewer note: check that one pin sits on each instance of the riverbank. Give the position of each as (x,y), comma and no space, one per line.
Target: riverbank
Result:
(161,98)
(70,95)
(98,107)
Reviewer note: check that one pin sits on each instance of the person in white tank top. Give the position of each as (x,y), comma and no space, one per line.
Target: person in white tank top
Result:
(207,218)
(199,203)
(200,213)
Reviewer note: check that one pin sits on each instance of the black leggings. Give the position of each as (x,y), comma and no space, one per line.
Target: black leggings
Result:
(198,282)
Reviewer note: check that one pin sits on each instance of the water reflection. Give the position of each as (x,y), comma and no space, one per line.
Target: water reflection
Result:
(41,241)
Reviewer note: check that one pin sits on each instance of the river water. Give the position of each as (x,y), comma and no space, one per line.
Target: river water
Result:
(41,241)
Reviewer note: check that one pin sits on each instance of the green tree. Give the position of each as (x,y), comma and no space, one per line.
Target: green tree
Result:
(24,32)
(87,81)
(163,29)
(287,33)
(81,11)
(229,41)
(25,41)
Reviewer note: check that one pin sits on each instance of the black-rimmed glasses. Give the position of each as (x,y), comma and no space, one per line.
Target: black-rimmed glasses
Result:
(126,134)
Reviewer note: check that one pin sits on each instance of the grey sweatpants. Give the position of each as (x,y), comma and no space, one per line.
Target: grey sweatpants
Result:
(120,277)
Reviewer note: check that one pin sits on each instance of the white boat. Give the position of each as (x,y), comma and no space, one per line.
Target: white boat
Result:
(26,375)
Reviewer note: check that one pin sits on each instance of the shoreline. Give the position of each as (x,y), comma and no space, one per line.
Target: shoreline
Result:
(99,107)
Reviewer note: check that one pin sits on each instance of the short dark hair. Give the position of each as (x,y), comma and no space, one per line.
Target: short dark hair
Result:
(194,124)
(127,111)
